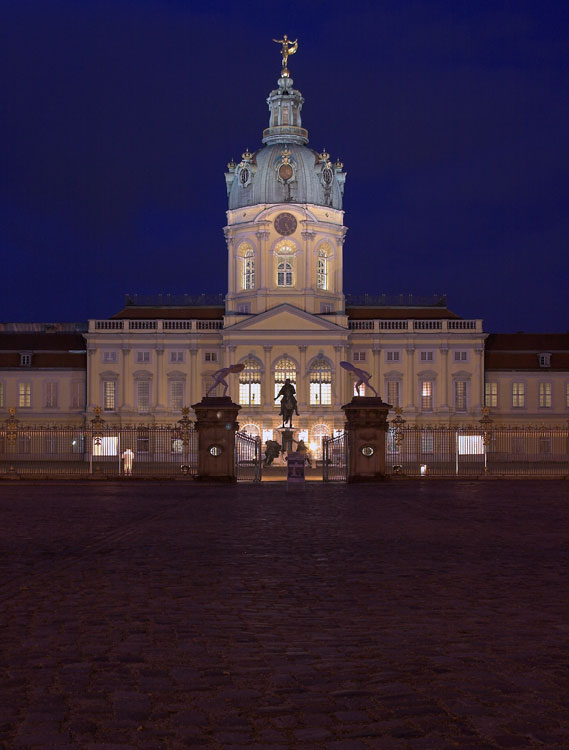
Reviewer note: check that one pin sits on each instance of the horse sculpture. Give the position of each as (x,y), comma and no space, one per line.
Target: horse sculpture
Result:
(289,404)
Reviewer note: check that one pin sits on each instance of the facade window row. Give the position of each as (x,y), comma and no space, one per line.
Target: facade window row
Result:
(285,265)
(518,395)
(46,395)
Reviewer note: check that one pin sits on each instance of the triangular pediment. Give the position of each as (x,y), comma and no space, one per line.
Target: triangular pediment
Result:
(286,317)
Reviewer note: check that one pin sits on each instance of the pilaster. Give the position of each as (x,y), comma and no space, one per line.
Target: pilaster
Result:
(267,379)
(301,384)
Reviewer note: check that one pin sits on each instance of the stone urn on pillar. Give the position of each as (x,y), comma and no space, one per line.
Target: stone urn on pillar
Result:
(216,423)
(366,428)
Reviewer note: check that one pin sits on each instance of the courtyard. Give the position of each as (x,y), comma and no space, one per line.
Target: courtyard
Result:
(403,616)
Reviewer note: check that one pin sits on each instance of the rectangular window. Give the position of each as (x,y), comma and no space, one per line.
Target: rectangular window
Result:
(176,394)
(142,442)
(460,395)
(426,356)
(50,395)
(460,356)
(250,394)
(545,395)
(393,392)
(544,360)
(362,390)
(210,356)
(426,395)
(392,356)
(320,394)
(25,360)
(143,396)
(359,356)
(176,356)
(24,395)
(143,357)
(1,395)
(427,442)
(109,395)
(77,392)
(518,395)
(491,394)
(244,307)
(109,356)
(325,307)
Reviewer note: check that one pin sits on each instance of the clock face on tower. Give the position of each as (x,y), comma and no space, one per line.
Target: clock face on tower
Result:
(285,224)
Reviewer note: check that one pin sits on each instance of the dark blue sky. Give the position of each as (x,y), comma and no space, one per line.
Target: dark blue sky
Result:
(451,117)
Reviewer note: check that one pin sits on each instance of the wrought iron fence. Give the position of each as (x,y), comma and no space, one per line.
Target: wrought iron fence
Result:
(335,458)
(475,451)
(99,449)
(247,457)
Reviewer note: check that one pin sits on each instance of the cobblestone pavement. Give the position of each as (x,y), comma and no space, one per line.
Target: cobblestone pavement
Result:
(404,616)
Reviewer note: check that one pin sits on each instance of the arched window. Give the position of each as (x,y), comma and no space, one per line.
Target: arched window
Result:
(320,375)
(316,435)
(285,264)
(285,368)
(322,267)
(252,430)
(247,256)
(250,383)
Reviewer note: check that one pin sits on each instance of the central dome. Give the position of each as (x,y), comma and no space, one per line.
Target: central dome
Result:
(285,170)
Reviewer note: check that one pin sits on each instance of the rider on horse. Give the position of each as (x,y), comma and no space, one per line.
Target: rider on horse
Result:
(288,404)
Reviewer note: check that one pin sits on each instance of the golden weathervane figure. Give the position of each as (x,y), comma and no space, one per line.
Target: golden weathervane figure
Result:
(288,48)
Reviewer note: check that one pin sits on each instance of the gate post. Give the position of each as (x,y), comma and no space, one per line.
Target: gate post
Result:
(366,427)
(216,426)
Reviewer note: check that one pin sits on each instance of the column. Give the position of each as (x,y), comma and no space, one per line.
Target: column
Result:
(444,399)
(339,376)
(125,380)
(267,379)
(377,372)
(159,378)
(192,389)
(301,390)
(411,385)
(92,380)
(233,379)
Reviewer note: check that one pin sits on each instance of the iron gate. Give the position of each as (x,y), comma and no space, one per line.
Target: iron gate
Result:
(335,458)
(247,457)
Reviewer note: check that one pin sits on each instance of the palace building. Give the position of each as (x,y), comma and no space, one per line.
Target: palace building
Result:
(285,315)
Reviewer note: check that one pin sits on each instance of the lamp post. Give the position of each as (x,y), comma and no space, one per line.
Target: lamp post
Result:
(486,424)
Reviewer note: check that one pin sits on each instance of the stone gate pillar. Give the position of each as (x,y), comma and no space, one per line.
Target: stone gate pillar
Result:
(366,428)
(216,425)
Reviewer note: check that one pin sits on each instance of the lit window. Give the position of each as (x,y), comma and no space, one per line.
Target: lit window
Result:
(491,394)
(392,356)
(322,269)
(24,395)
(359,356)
(25,360)
(426,356)
(248,267)
(285,255)
(176,356)
(176,394)
(320,383)
(143,396)
(545,395)
(316,434)
(362,389)
(143,357)
(393,392)
(544,360)
(285,368)
(250,383)
(252,430)
(210,356)
(50,395)
(460,395)
(426,395)
(518,395)
(460,356)
(109,395)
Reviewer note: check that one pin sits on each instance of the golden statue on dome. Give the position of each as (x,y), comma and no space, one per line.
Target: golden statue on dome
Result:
(287,48)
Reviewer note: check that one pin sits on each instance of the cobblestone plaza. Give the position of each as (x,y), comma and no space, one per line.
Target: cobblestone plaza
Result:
(410,615)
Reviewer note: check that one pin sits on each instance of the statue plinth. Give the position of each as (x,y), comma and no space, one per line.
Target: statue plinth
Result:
(216,423)
(366,428)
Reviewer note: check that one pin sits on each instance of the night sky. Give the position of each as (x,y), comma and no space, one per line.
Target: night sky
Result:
(451,118)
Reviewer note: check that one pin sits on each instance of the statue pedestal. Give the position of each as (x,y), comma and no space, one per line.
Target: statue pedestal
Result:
(216,425)
(366,427)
